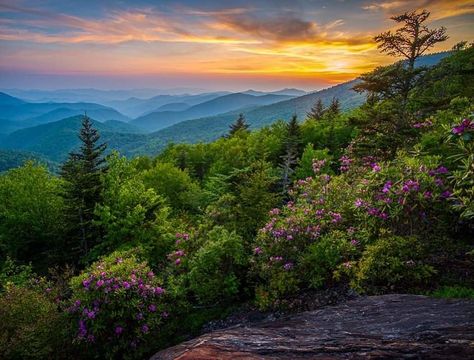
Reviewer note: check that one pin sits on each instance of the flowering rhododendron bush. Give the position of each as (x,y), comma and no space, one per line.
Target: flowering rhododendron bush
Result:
(117,303)
(322,232)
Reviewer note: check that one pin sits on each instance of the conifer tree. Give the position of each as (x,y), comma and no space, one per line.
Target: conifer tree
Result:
(239,125)
(317,111)
(81,172)
(334,107)
(293,143)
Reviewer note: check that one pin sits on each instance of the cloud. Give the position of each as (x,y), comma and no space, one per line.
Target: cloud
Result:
(441,9)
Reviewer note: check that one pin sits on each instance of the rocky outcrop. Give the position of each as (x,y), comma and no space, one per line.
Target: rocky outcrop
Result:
(376,327)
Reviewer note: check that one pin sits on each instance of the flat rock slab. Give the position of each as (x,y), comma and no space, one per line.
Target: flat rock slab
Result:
(375,327)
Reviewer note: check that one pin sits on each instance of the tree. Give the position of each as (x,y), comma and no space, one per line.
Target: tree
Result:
(410,42)
(82,172)
(317,111)
(239,125)
(31,215)
(413,39)
(334,107)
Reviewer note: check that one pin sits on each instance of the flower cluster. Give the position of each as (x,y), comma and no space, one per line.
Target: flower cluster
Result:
(116,302)
(345,163)
(424,124)
(464,126)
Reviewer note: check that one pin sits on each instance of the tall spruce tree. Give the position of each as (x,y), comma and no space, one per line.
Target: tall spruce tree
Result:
(293,144)
(334,107)
(239,125)
(81,172)
(317,111)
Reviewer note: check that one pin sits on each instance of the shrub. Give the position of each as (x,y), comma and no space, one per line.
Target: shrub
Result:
(117,302)
(392,264)
(457,292)
(210,266)
(31,326)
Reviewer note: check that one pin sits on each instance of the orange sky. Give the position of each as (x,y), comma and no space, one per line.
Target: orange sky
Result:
(307,44)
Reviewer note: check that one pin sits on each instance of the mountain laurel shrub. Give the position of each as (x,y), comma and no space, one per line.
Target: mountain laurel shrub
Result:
(116,304)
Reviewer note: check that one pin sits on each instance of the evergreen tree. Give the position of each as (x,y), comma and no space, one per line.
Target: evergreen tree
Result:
(81,172)
(239,125)
(334,107)
(317,111)
(293,144)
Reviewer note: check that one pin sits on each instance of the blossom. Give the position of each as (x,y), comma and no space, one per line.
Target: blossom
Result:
(375,167)
(177,261)
(387,186)
(288,266)
(359,203)
(100,283)
(257,251)
(446,194)
(126,285)
(145,328)
(118,330)
(152,308)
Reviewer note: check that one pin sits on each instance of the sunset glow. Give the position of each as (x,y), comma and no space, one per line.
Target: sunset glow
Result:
(226,44)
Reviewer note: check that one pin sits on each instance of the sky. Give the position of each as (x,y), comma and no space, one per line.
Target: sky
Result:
(208,44)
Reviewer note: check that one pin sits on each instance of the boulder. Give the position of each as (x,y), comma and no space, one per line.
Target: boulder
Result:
(375,327)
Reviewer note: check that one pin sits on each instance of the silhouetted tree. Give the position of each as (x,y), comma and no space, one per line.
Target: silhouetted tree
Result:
(413,39)
(410,42)
(81,172)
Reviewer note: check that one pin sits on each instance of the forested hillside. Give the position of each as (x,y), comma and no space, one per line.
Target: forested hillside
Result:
(366,187)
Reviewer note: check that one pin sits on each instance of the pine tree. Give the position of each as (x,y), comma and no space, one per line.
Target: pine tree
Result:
(317,111)
(239,125)
(293,143)
(334,107)
(81,172)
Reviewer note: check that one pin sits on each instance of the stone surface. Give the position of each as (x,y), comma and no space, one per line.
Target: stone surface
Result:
(376,327)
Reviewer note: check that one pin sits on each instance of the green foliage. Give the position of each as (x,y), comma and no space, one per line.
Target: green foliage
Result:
(82,187)
(305,165)
(393,264)
(454,292)
(32,326)
(175,185)
(31,215)
(14,274)
(216,268)
(117,304)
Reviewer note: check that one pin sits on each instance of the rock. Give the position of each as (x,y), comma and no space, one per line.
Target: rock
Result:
(376,327)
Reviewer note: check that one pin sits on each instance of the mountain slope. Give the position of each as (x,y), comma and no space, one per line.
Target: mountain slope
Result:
(135,107)
(210,128)
(159,120)
(7,100)
(55,140)
(38,112)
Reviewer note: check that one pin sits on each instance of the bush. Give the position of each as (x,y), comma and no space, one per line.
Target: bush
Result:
(31,326)
(392,264)
(116,303)
(456,292)
(215,268)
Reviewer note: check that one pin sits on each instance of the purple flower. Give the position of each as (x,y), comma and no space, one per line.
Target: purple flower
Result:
(145,328)
(442,170)
(139,316)
(100,283)
(257,251)
(177,261)
(427,194)
(375,167)
(152,308)
(288,266)
(118,330)
(446,194)
(158,290)
(86,283)
(354,242)
(386,187)
(359,203)
(126,285)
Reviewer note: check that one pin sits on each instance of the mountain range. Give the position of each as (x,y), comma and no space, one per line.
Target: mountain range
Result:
(49,129)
